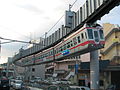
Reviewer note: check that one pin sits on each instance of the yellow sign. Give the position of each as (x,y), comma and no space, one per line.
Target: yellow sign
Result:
(115,39)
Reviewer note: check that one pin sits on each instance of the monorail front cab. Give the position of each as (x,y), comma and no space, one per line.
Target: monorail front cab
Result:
(96,37)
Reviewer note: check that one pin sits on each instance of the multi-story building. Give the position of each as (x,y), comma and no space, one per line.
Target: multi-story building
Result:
(111,51)
(31,72)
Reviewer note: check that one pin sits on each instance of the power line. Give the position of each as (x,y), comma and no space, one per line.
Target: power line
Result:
(13,40)
(59,19)
(7,28)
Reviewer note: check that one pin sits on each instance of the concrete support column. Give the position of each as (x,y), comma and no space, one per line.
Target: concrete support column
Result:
(94,70)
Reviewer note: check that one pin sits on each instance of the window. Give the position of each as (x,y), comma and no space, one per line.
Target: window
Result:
(101,34)
(40,57)
(85,35)
(78,39)
(51,52)
(90,33)
(33,69)
(61,49)
(74,40)
(55,52)
(64,46)
(68,44)
(70,66)
(101,83)
(96,36)
(43,55)
(71,43)
(82,36)
(47,55)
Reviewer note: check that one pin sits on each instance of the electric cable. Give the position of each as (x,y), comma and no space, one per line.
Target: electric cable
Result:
(59,19)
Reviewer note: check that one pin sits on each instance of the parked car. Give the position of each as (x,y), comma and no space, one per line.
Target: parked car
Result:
(4,83)
(57,87)
(78,88)
(111,87)
(18,84)
(12,82)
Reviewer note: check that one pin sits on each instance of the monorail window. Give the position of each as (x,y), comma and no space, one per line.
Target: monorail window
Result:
(64,46)
(68,44)
(51,52)
(96,36)
(42,56)
(57,50)
(82,36)
(75,40)
(54,51)
(46,54)
(61,48)
(85,35)
(78,39)
(101,34)
(71,43)
(90,33)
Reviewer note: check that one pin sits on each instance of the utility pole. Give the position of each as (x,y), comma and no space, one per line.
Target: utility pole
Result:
(94,70)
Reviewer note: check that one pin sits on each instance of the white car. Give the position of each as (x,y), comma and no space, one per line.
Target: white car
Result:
(17,84)
(78,88)
(12,82)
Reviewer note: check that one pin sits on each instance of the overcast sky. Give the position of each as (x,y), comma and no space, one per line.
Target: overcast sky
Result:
(30,19)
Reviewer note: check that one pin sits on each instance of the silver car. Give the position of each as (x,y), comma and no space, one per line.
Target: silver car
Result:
(17,84)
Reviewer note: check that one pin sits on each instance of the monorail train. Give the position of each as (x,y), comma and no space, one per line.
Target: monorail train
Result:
(86,39)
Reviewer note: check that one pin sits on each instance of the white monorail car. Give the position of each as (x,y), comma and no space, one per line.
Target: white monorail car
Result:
(84,40)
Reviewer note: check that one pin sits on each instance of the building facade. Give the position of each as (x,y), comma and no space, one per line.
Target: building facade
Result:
(31,72)
(111,51)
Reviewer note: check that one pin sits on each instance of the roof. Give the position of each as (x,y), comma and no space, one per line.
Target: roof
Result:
(102,65)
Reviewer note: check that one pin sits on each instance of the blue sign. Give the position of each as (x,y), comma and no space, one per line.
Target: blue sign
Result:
(65,52)
(76,68)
